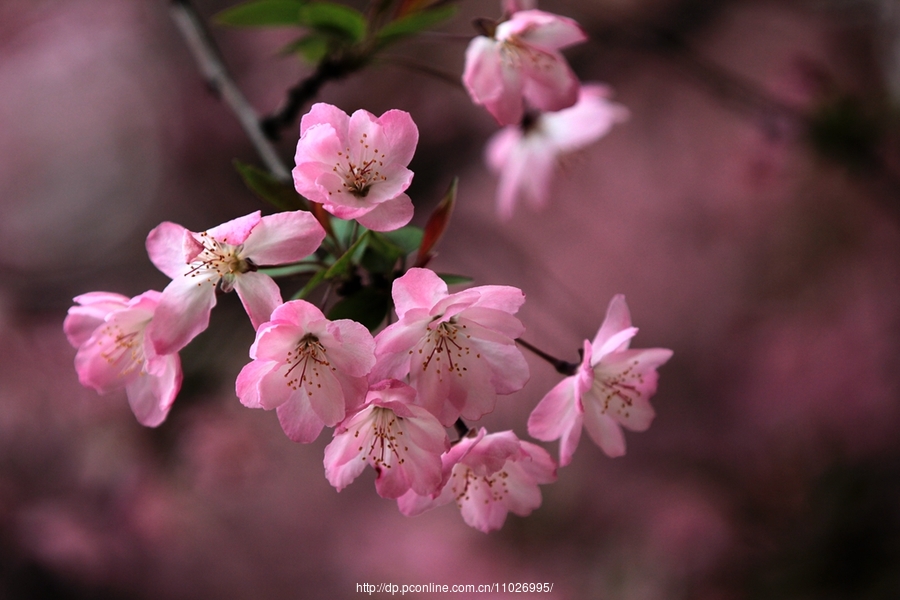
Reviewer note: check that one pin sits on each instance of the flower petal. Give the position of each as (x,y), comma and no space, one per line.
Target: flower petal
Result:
(388,215)
(259,294)
(283,238)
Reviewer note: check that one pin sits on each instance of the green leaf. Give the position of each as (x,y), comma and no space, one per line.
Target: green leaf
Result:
(381,254)
(368,305)
(414,23)
(407,238)
(344,229)
(279,194)
(384,249)
(352,254)
(450,279)
(334,19)
(313,47)
(262,13)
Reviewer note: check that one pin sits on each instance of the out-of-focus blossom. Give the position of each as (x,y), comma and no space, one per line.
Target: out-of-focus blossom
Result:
(610,390)
(522,63)
(525,156)
(355,166)
(229,256)
(401,441)
(488,476)
(114,352)
(311,370)
(458,349)
(513,6)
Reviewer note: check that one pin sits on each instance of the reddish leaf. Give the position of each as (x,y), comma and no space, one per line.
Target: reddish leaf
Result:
(436,225)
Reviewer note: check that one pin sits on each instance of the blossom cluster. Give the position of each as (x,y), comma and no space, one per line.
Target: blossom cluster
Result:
(516,71)
(390,392)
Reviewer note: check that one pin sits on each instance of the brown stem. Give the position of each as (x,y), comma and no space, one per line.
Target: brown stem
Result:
(561,366)
(213,68)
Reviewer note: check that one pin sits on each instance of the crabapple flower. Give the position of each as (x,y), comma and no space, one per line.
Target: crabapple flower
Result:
(526,156)
(610,390)
(114,352)
(521,63)
(513,6)
(309,369)
(227,256)
(488,476)
(458,350)
(401,441)
(355,166)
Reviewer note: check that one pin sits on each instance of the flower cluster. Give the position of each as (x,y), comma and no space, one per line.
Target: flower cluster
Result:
(515,70)
(390,391)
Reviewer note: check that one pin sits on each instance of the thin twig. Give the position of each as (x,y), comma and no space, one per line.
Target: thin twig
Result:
(302,93)
(561,366)
(401,61)
(210,62)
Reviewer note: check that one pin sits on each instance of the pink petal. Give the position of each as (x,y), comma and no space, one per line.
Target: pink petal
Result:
(542,29)
(322,113)
(603,429)
(259,294)
(82,320)
(550,84)
(183,312)
(558,416)
(352,350)
(617,319)
(418,288)
(491,84)
(166,248)
(587,121)
(298,420)
(151,396)
(402,135)
(236,231)
(388,215)
(342,460)
(283,238)
(247,385)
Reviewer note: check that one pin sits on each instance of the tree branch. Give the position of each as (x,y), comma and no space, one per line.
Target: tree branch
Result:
(213,69)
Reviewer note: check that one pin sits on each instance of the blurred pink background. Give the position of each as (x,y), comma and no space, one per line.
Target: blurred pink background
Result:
(768,261)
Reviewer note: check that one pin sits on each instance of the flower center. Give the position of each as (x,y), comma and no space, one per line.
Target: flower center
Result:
(465,484)
(359,176)
(309,355)
(618,390)
(514,52)
(124,349)
(387,445)
(219,262)
(448,341)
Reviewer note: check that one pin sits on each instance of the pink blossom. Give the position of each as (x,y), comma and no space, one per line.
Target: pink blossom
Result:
(355,166)
(526,156)
(522,63)
(610,390)
(114,352)
(458,350)
(227,256)
(401,441)
(488,475)
(311,370)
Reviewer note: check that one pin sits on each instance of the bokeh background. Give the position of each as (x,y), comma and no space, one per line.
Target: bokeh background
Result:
(749,210)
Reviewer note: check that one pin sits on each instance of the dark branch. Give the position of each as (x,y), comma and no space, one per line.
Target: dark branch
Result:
(561,366)
(211,65)
(302,93)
